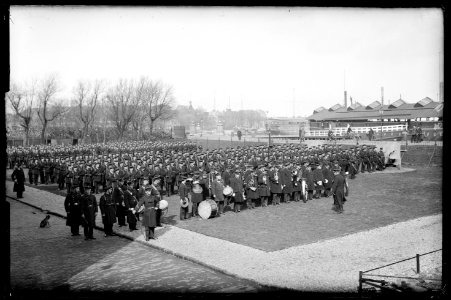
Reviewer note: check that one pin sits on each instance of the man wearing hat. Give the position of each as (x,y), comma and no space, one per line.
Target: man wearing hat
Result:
(308,175)
(238,190)
(72,205)
(217,191)
(108,210)
(318,179)
(130,204)
(89,210)
(275,186)
(338,190)
(286,182)
(150,202)
(156,188)
(118,198)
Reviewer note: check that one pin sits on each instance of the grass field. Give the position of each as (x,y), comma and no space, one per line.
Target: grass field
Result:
(375,200)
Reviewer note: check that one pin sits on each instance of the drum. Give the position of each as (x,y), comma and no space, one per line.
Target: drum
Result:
(304,189)
(228,191)
(207,209)
(163,204)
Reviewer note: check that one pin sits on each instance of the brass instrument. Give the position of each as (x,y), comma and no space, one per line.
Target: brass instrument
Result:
(276,177)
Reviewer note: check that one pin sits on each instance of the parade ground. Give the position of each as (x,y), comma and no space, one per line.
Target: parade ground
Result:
(298,246)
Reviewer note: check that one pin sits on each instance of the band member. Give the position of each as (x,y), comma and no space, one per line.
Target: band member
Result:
(338,191)
(35,171)
(275,186)
(251,190)
(196,196)
(238,190)
(263,187)
(184,199)
(149,215)
(89,210)
(108,210)
(72,205)
(318,179)
(286,182)
(130,204)
(217,189)
(156,188)
(18,176)
(309,181)
(297,184)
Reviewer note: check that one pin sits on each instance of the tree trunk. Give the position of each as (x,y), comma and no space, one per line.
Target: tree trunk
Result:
(151,126)
(44,127)
(27,136)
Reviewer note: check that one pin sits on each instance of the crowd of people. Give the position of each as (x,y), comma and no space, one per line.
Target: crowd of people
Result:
(417,134)
(135,175)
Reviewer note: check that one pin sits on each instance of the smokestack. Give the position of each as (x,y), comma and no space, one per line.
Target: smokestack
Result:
(351,100)
(346,100)
(382,95)
(442,87)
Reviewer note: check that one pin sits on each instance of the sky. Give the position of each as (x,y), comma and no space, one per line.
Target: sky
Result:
(286,61)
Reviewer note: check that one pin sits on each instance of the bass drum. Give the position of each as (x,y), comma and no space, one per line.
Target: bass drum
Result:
(304,191)
(207,209)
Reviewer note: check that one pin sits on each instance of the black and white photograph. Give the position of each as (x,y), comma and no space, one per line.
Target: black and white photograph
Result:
(225,151)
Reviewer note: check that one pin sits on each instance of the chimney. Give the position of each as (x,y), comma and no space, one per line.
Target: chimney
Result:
(351,100)
(382,95)
(346,100)
(440,99)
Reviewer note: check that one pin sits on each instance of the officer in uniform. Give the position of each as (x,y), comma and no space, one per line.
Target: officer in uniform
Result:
(108,210)
(130,204)
(89,210)
(150,200)
(72,205)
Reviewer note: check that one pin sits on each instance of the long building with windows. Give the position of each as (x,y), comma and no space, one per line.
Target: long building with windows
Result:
(398,116)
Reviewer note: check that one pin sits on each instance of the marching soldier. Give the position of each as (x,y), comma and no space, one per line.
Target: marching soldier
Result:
(318,181)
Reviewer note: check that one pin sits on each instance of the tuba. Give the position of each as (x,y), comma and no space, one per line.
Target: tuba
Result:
(276,177)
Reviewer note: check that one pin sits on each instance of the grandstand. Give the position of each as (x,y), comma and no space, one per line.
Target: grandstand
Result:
(387,121)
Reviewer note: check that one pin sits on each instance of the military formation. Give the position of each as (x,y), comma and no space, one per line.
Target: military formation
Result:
(252,176)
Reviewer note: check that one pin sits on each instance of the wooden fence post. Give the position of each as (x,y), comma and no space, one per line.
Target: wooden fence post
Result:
(418,263)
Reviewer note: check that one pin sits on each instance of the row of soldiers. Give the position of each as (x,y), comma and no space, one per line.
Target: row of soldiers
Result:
(93,171)
(26,154)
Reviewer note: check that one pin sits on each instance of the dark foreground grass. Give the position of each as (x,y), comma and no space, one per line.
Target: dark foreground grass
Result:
(375,200)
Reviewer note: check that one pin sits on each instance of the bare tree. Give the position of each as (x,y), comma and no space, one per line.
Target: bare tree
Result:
(158,100)
(87,96)
(22,102)
(47,111)
(123,105)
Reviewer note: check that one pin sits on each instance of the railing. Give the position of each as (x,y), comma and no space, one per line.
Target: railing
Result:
(343,130)
(382,284)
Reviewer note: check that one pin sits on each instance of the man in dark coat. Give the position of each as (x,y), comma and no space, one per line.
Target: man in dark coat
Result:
(237,186)
(35,171)
(328,179)
(89,210)
(130,204)
(150,201)
(18,176)
(286,182)
(338,191)
(118,198)
(108,210)
(72,205)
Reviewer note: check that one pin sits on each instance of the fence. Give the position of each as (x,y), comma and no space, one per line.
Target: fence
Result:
(383,284)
